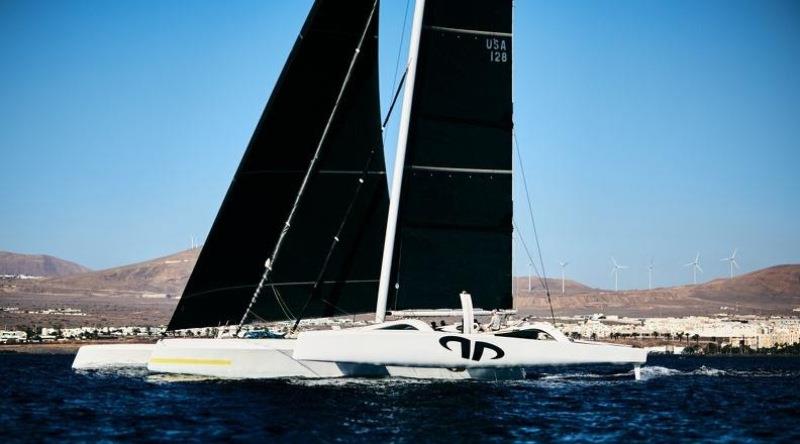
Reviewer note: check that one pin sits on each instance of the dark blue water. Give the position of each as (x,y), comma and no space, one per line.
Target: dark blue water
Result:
(680,399)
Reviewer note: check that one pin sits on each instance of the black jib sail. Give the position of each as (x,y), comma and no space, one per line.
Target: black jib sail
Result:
(455,218)
(267,181)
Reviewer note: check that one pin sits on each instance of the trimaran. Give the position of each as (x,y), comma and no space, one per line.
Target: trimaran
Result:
(309,212)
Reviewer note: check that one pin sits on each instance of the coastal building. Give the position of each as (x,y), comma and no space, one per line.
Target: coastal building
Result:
(751,331)
(7,336)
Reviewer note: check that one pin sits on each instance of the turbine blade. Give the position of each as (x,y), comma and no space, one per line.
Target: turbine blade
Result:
(735,264)
(698,267)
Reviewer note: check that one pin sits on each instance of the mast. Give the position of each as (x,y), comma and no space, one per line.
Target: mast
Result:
(399,161)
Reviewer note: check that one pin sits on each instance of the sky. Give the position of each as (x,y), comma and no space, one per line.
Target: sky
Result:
(648,130)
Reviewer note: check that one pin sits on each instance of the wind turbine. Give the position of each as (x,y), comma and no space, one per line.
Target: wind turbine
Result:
(615,271)
(732,261)
(530,272)
(695,264)
(650,275)
(563,266)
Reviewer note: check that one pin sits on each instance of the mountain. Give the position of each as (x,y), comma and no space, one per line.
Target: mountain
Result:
(37,265)
(164,275)
(770,290)
(774,286)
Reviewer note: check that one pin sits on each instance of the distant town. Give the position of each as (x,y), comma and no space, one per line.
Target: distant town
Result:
(693,334)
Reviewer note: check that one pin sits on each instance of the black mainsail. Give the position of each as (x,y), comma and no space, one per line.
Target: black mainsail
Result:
(266,183)
(454,228)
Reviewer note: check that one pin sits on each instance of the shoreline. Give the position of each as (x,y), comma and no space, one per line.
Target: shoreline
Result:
(71,348)
(61,347)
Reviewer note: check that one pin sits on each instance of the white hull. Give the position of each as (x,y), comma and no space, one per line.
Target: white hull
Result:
(446,350)
(216,358)
(246,358)
(359,353)
(112,355)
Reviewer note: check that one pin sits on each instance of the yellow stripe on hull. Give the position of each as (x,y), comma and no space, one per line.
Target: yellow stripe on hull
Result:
(190,361)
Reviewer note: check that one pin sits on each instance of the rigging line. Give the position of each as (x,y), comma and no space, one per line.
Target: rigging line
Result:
(542,281)
(278,299)
(533,224)
(361,180)
(311,168)
(259,317)
(286,309)
(514,249)
(336,307)
(400,48)
(528,254)
(282,304)
(515,237)
(394,99)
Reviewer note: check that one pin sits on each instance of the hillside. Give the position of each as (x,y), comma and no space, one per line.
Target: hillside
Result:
(770,290)
(166,275)
(774,290)
(37,265)
(554,284)
(775,286)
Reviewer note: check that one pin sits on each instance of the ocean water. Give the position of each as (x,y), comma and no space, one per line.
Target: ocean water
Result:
(680,399)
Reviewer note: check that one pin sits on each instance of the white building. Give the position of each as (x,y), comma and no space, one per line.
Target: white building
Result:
(12,336)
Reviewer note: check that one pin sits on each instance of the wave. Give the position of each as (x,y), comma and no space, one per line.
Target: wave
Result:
(115,372)
(709,371)
(647,373)
(586,376)
(652,372)
(385,381)
(169,378)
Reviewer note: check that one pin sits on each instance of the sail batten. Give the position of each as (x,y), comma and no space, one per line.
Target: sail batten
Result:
(458,170)
(469,31)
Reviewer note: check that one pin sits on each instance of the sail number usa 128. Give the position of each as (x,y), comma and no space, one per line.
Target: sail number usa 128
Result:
(498,50)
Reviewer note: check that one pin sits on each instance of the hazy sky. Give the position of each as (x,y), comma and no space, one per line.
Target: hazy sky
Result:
(648,129)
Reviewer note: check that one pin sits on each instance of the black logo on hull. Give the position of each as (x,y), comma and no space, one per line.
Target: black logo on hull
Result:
(466,345)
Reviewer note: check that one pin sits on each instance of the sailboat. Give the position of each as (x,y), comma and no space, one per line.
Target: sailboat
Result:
(307,229)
